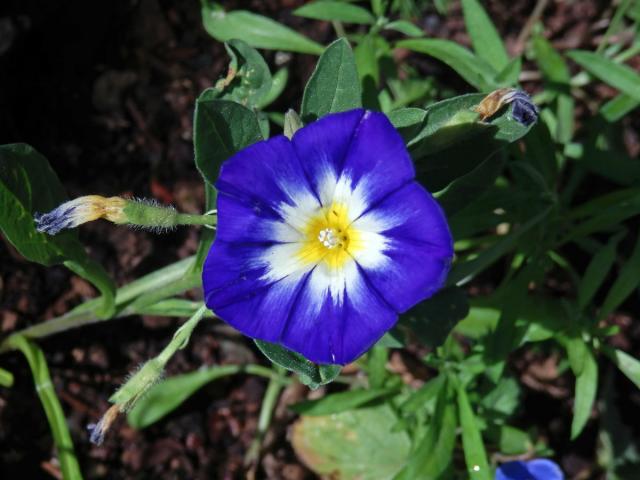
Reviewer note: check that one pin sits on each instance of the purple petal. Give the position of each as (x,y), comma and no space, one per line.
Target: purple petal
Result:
(298,311)
(240,222)
(513,471)
(543,469)
(236,290)
(418,251)
(322,146)
(263,176)
(378,158)
(326,330)
(539,469)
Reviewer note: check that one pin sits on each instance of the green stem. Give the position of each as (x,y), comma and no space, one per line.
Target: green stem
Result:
(191,219)
(266,413)
(339,29)
(51,405)
(181,337)
(85,314)
(151,372)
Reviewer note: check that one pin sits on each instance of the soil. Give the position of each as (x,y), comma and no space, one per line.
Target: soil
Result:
(105,90)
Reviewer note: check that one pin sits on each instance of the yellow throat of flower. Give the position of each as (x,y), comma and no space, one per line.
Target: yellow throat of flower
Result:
(330,238)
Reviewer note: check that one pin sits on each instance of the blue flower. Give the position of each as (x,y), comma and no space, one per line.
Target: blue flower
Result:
(539,469)
(325,238)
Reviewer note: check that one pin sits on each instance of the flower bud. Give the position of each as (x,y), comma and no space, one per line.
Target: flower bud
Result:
(524,110)
(81,210)
(142,213)
(138,384)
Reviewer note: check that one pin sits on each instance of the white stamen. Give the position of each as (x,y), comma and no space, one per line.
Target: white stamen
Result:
(328,238)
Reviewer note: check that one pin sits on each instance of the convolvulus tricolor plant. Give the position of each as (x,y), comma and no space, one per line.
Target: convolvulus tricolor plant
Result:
(357,232)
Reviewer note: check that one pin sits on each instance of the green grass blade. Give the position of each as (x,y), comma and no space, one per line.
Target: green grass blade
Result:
(627,364)
(585,394)
(618,107)
(597,271)
(627,282)
(475,70)
(475,454)
(618,76)
(485,38)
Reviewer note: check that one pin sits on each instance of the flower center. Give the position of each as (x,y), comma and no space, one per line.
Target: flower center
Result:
(329,237)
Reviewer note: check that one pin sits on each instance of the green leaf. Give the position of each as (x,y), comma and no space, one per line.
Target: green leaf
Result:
(434,452)
(257,30)
(556,72)
(541,153)
(464,271)
(341,401)
(551,63)
(171,307)
(513,441)
(403,26)
(28,186)
(627,281)
(627,364)
(540,316)
(355,445)
(221,128)
(379,7)
(366,55)
(597,271)
(425,397)
(432,320)
(475,70)
(484,36)
(377,358)
(311,374)
(335,11)
(278,84)
(475,455)
(508,333)
(618,107)
(466,189)
(510,74)
(606,214)
(577,351)
(165,397)
(585,394)
(334,85)
(617,75)
(249,80)
(6,378)
(447,140)
(503,400)
(51,405)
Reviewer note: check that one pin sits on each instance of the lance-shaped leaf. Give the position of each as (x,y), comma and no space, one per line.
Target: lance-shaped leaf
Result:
(311,374)
(334,85)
